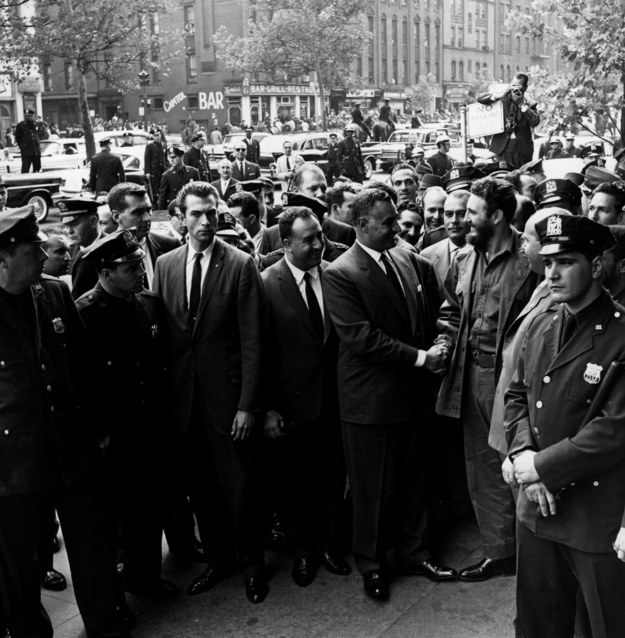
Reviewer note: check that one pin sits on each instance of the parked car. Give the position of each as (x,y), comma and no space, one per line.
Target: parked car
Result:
(226,148)
(32,189)
(55,155)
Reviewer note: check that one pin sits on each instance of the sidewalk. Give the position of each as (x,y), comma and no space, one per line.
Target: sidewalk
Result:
(331,607)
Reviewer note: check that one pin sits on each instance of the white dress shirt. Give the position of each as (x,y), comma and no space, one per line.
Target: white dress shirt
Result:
(315,282)
(147,262)
(205,263)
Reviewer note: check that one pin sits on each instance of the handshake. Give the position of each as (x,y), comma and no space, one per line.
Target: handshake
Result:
(437,357)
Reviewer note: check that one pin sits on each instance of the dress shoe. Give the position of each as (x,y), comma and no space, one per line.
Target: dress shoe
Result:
(53,580)
(256,588)
(209,578)
(487,568)
(429,569)
(335,564)
(158,590)
(303,572)
(375,584)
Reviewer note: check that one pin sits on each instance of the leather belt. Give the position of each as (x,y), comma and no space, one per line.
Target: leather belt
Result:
(483,359)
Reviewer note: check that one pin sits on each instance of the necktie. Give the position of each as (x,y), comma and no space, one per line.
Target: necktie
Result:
(288,164)
(390,273)
(313,307)
(196,284)
(569,325)
(241,169)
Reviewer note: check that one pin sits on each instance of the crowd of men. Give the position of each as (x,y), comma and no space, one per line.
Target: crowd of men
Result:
(371,341)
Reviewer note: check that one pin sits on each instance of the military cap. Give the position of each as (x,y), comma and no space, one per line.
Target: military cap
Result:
(298,199)
(120,247)
(550,191)
(126,134)
(104,141)
(496,168)
(29,112)
(73,208)
(460,177)
(19,226)
(428,179)
(226,225)
(349,127)
(592,149)
(250,186)
(561,233)
(535,166)
(576,178)
(177,149)
(386,99)
(596,175)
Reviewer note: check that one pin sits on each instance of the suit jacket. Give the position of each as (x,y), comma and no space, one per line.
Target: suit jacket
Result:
(440,254)
(302,367)
(159,244)
(334,230)
(106,171)
(220,355)
(380,337)
(45,433)
(252,171)
(172,182)
(230,190)
(455,316)
(546,405)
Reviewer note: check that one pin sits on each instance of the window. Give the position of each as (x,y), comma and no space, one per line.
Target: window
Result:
(477,38)
(508,76)
(427,48)
(404,53)
(470,23)
(191,69)
(157,103)
(460,37)
(193,102)
(48,84)
(477,69)
(527,46)
(461,70)
(469,66)
(394,45)
(453,70)
(189,19)
(417,50)
(453,36)
(518,45)
(502,74)
(69,76)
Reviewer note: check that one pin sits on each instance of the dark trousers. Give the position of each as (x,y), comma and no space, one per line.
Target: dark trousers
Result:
(492,498)
(386,470)
(155,184)
(550,577)
(31,160)
(222,485)
(48,528)
(515,155)
(312,480)
(80,510)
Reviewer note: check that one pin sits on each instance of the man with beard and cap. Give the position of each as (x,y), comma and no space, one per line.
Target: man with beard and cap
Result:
(487,285)
(563,421)
(131,208)
(49,452)
(562,193)
(614,265)
(606,203)
(106,169)
(175,177)
(383,302)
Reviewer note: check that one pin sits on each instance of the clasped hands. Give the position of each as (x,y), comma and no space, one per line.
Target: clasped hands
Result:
(437,357)
(522,472)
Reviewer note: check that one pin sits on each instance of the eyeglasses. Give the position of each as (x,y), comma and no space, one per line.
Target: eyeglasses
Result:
(240,150)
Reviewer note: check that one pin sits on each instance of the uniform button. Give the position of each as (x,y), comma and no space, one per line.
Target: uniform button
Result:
(43,367)
(49,388)
(539,404)
(617,314)
(547,379)
(6,433)
(536,431)
(595,483)
(572,484)
(109,363)
(588,401)
(2,364)
(51,408)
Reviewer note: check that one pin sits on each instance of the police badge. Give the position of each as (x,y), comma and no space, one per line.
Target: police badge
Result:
(58,325)
(554,226)
(551,186)
(455,174)
(155,332)
(593,373)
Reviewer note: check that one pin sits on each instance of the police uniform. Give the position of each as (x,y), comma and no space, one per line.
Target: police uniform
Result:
(48,453)
(563,405)
(174,179)
(349,158)
(106,170)
(27,138)
(126,352)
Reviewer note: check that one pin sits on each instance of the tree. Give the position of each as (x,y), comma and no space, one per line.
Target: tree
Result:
(423,94)
(290,38)
(101,37)
(590,36)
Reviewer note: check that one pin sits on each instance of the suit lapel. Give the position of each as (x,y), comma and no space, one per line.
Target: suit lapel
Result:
(289,289)
(153,248)
(412,289)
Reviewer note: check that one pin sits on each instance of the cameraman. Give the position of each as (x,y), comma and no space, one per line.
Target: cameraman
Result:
(515,145)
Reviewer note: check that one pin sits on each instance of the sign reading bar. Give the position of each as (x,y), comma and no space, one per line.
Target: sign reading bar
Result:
(485,119)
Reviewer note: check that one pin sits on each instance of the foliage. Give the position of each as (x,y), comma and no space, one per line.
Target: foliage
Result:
(423,94)
(290,38)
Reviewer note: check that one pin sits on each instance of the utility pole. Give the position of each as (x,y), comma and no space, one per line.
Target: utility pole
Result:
(144,79)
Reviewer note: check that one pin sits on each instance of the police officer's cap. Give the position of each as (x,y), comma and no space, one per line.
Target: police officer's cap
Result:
(535,166)
(126,134)
(460,177)
(104,141)
(576,178)
(249,128)
(592,149)
(177,149)
(250,186)
(75,207)
(428,179)
(596,175)
(298,199)
(19,226)
(550,191)
(349,127)
(266,181)
(226,225)
(498,168)
(120,247)
(423,169)
(597,162)
(562,233)
(29,112)
(333,135)
(570,136)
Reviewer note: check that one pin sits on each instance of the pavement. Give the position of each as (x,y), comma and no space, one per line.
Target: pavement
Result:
(331,607)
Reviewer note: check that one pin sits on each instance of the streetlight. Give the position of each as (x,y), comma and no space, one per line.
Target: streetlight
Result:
(144,79)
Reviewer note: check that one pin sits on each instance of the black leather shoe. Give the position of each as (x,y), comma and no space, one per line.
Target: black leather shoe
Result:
(53,580)
(375,585)
(303,572)
(335,564)
(209,578)
(429,569)
(256,589)
(158,590)
(487,568)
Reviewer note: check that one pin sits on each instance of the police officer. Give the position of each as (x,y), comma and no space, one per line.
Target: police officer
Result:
(349,156)
(27,138)
(48,453)
(155,164)
(333,165)
(175,178)
(358,118)
(253,146)
(106,169)
(563,418)
(124,327)
(196,158)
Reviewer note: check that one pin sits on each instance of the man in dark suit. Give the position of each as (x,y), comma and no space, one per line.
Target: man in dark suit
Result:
(384,303)
(515,144)
(301,396)
(564,413)
(131,208)
(225,185)
(175,178)
(213,298)
(49,456)
(242,169)
(106,169)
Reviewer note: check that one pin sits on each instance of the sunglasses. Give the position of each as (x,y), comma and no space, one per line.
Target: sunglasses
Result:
(240,150)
